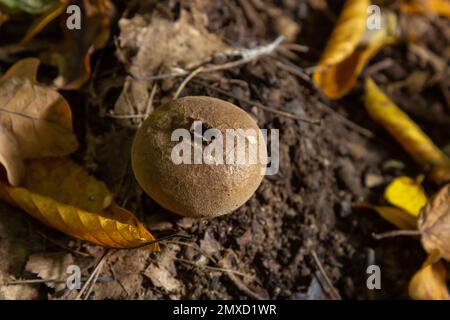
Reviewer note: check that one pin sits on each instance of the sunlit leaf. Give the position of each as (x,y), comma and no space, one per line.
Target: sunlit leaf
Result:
(349,48)
(62,195)
(407,194)
(35,120)
(407,133)
(429,283)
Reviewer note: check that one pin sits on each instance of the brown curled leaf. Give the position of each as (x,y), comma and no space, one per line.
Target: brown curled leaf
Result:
(35,120)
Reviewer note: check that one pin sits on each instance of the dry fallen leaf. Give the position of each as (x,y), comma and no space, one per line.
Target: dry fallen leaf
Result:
(50,266)
(62,195)
(349,48)
(407,194)
(35,121)
(163,273)
(429,283)
(407,133)
(72,56)
(434,224)
(160,46)
(423,7)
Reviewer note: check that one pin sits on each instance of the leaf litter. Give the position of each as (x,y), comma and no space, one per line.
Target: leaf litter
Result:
(290,216)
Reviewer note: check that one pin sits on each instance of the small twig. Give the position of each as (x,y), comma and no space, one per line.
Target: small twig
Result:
(150,99)
(247,55)
(238,282)
(350,124)
(376,67)
(329,285)
(33,281)
(211,268)
(185,81)
(170,236)
(125,116)
(396,233)
(56,242)
(261,106)
(93,276)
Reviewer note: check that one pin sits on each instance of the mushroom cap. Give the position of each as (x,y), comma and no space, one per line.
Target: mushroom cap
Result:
(196,190)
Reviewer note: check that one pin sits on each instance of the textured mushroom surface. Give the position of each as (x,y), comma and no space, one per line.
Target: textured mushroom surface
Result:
(195,190)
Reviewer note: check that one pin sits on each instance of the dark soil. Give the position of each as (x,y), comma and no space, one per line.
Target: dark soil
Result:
(308,209)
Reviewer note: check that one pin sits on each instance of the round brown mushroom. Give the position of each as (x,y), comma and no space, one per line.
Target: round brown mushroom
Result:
(197,190)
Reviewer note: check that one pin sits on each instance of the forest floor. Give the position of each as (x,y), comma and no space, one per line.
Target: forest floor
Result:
(301,235)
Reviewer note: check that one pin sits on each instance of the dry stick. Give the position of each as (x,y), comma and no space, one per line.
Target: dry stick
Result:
(92,278)
(211,268)
(185,81)
(56,242)
(151,98)
(396,233)
(376,67)
(33,281)
(170,236)
(332,290)
(248,55)
(303,74)
(261,106)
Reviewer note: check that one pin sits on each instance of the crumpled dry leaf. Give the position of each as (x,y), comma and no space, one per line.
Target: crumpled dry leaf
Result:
(29,6)
(160,46)
(429,283)
(163,272)
(423,7)
(407,194)
(407,133)
(349,48)
(72,56)
(62,195)
(50,266)
(434,224)
(35,121)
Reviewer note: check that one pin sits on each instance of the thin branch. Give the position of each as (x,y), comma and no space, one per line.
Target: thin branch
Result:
(247,55)
(186,81)
(93,276)
(329,285)
(396,233)
(261,106)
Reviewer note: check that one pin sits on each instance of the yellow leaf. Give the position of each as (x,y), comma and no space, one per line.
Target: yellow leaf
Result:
(440,7)
(407,194)
(429,283)
(62,195)
(407,133)
(35,120)
(347,33)
(398,217)
(350,47)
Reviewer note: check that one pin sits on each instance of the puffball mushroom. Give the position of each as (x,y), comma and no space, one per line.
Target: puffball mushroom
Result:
(199,190)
